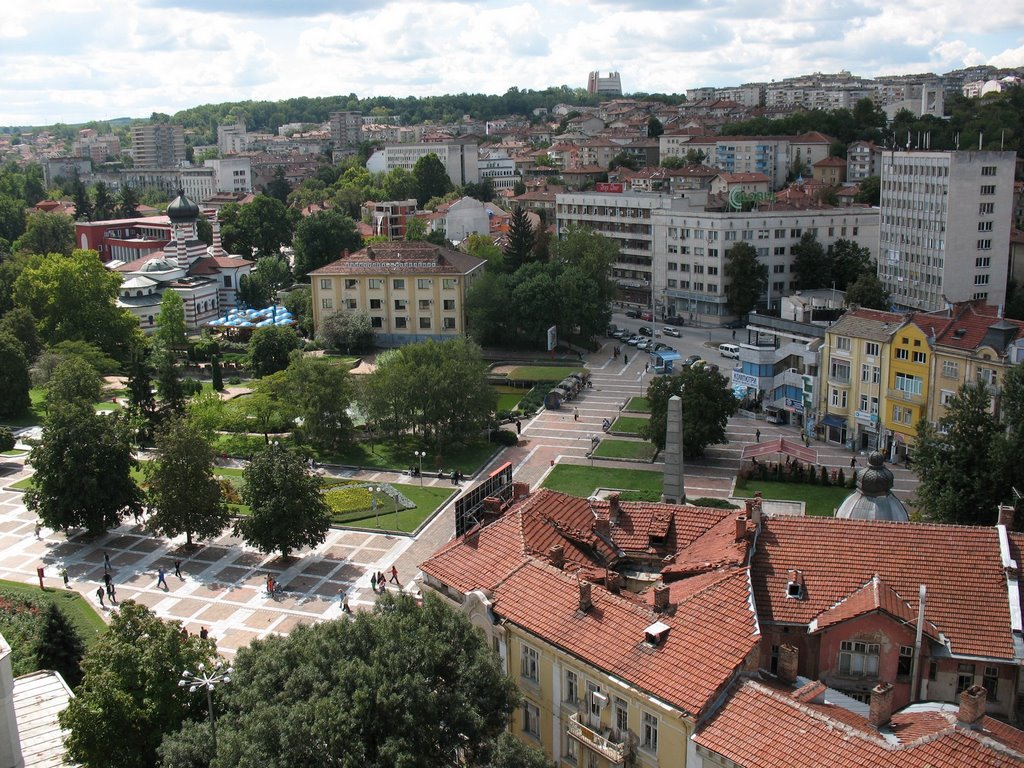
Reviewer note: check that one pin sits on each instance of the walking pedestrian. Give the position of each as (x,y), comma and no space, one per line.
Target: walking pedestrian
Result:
(382,582)
(161,578)
(519,427)
(344,605)
(853,463)
(647,367)
(184,634)
(64,575)
(575,414)
(99,596)
(39,529)
(106,562)
(394,574)
(625,359)
(177,569)
(203,634)
(106,579)
(111,593)
(373,582)
(734,335)
(757,435)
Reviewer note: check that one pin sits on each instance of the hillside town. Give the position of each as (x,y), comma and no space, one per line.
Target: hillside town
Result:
(627,430)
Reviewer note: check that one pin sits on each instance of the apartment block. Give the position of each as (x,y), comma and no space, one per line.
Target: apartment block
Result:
(158,145)
(863,159)
(778,157)
(458,156)
(944,234)
(346,128)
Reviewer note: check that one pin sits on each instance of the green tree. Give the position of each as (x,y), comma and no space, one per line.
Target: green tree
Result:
(870,191)
(59,646)
(321,392)
(141,402)
(278,187)
(415,229)
(129,696)
(287,506)
(47,233)
(14,380)
(168,381)
(849,262)
(869,292)
(102,203)
(384,690)
(707,406)
(258,289)
(12,218)
(127,202)
(811,265)
(672,161)
(73,298)
(270,347)
(431,178)
(321,238)
(748,278)
(508,751)
(519,247)
(483,247)
(83,205)
(654,127)
(959,479)
(265,225)
(182,490)
(171,332)
(73,381)
(346,331)
(20,324)
(216,376)
(299,301)
(7,440)
(83,469)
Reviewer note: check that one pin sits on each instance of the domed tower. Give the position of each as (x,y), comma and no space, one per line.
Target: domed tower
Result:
(873,499)
(185,246)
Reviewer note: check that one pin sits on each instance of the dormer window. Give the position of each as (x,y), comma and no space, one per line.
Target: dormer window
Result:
(795,585)
(656,634)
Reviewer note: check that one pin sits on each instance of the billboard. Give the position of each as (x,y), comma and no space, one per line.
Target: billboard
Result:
(467,507)
(609,186)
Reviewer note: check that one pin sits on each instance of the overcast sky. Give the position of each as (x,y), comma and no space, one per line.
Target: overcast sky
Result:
(76,60)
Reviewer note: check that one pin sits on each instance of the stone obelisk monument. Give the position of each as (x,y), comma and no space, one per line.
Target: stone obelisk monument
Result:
(673,490)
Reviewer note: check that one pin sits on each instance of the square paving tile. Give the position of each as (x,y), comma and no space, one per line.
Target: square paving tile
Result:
(214,612)
(232,575)
(236,638)
(320,567)
(261,620)
(290,622)
(148,545)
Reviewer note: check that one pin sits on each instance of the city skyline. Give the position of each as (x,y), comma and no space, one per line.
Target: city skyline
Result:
(74,62)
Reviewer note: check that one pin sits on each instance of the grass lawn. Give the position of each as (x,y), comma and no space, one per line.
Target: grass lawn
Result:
(467,459)
(819,500)
(628,424)
(35,413)
(542,372)
(89,623)
(610,448)
(426,499)
(580,480)
(507,401)
(14,452)
(639,404)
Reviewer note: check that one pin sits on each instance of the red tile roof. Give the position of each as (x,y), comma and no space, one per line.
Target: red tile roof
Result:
(967,327)
(416,257)
(710,634)
(876,595)
(761,726)
(967,597)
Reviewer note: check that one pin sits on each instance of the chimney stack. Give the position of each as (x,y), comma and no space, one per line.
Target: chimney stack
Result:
(741,527)
(972,706)
(1006,513)
(613,506)
(661,603)
(556,555)
(880,708)
(585,601)
(789,660)
(520,490)
(613,581)
(603,527)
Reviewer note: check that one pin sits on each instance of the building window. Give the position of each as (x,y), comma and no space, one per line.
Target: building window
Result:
(985,245)
(448,323)
(376,303)
(325,283)
(449,283)
(988,170)
(350,284)
(376,322)
(572,687)
(986,208)
(990,680)
(982,262)
(530,664)
(424,323)
(839,371)
(571,750)
(401,322)
(906,660)
(950,369)
(401,304)
(920,357)
(227,281)
(424,305)
(375,283)
(843,343)
(592,703)
(398,284)
(327,303)
(909,384)
(531,719)
(964,677)
(988,189)
(449,305)
(423,283)
(858,659)
(985,226)
(350,304)
(981,279)
(902,354)
(839,398)
(621,716)
(871,348)
(650,732)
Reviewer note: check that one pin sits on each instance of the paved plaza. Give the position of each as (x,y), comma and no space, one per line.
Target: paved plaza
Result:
(223,582)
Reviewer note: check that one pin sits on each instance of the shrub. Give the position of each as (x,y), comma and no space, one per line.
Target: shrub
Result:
(707,501)
(350,499)
(7,441)
(823,476)
(228,491)
(234,381)
(504,437)
(841,478)
(191,387)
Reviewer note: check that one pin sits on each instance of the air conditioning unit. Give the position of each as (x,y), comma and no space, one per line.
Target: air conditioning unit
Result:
(600,699)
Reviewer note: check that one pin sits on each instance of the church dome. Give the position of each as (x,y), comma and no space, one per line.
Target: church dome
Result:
(873,499)
(157,265)
(877,479)
(182,209)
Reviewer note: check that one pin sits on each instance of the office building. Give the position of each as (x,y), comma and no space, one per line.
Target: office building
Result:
(158,145)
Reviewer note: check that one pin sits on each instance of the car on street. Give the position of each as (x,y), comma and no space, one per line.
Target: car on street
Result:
(662,346)
(646,316)
(645,330)
(633,313)
(634,340)
(670,331)
(620,333)
(690,361)
(675,320)
(645,345)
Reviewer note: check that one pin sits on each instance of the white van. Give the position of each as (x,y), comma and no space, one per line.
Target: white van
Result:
(729,350)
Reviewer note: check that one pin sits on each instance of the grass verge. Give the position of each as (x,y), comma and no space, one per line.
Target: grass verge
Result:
(580,480)
(542,372)
(639,404)
(628,424)
(641,450)
(819,500)
(89,623)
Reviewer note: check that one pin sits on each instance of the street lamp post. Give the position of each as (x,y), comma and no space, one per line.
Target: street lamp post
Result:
(207,678)
(419,455)
(374,490)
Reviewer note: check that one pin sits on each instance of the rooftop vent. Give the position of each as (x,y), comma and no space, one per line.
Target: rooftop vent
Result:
(795,585)
(959,333)
(656,633)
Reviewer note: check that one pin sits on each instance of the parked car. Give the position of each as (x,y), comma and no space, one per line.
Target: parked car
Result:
(675,320)
(611,330)
(621,333)
(634,340)
(645,330)
(660,346)
(644,346)
(633,313)
(646,316)
(690,360)
(670,331)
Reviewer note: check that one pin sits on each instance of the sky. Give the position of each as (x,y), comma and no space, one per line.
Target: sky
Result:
(72,61)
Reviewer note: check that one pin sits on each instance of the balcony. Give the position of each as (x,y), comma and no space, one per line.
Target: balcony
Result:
(902,395)
(613,751)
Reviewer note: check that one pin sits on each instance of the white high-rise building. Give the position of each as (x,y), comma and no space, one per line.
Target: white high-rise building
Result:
(944,233)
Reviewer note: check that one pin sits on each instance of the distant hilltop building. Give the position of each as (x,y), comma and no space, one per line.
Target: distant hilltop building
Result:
(610,85)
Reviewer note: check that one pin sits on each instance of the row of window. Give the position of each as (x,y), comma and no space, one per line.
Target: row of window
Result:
(397,283)
(697,268)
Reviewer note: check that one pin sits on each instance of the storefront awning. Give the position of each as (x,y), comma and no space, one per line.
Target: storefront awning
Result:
(831,420)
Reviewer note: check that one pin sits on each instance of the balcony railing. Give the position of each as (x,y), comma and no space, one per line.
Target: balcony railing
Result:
(904,396)
(613,751)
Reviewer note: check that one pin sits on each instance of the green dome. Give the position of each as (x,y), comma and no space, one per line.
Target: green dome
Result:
(182,209)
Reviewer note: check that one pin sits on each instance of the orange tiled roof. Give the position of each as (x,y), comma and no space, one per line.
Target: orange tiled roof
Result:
(710,634)
(969,325)
(875,595)
(406,257)
(967,598)
(763,726)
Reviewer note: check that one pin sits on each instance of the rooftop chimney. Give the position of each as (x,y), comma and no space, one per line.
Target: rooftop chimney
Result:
(603,526)
(585,601)
(741,527)
(789,659)
(613,581)
(556,555)
(880,708)
(520,490)
(661,603)
(1006,513)
(972,706)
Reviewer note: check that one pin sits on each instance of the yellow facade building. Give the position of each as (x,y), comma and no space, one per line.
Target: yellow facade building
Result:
(907,383)
(412,291)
